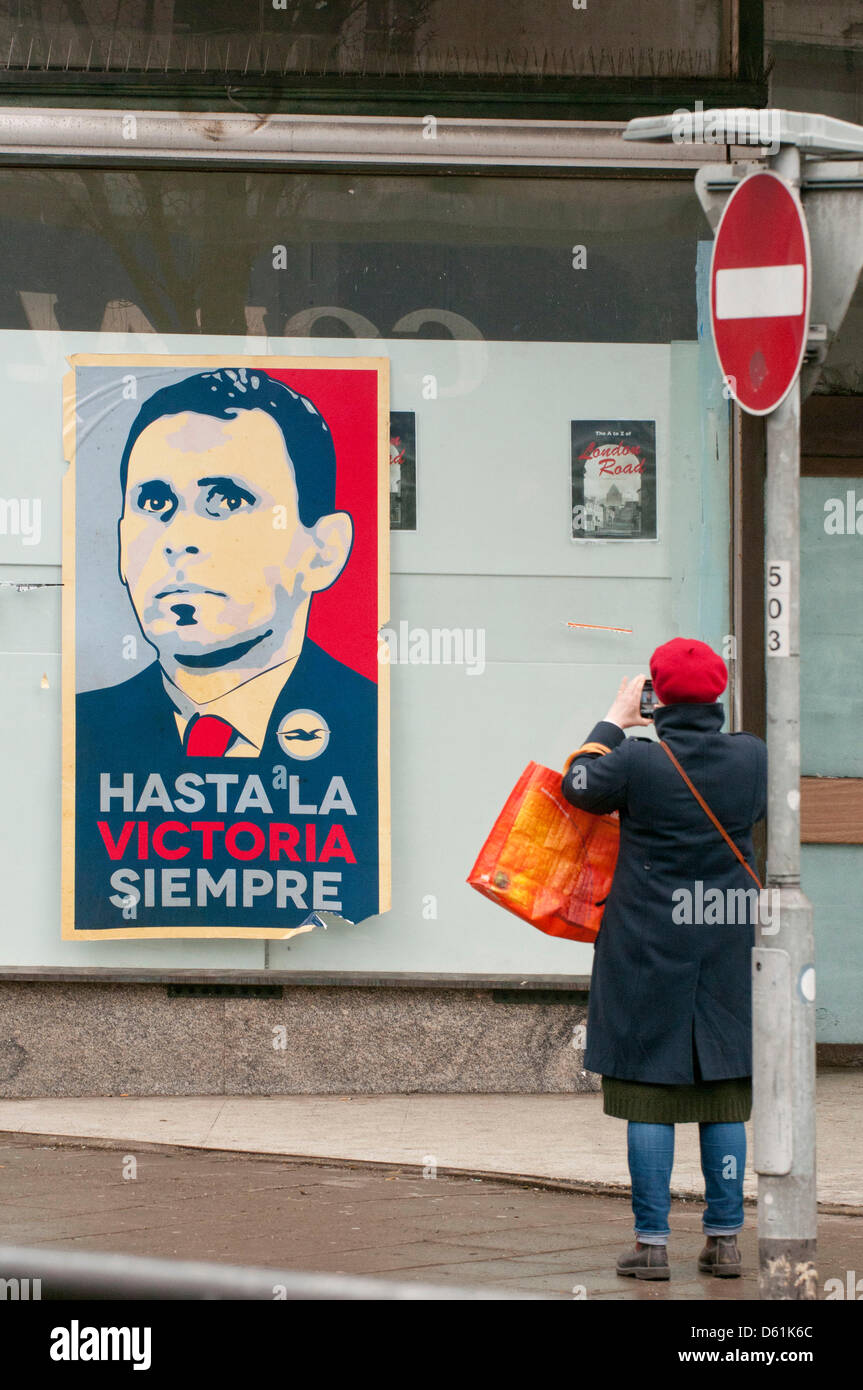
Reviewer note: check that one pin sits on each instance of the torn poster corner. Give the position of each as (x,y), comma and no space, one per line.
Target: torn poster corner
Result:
(319,919)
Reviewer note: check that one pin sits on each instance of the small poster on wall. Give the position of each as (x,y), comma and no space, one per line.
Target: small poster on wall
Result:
(403,470)
(614,480)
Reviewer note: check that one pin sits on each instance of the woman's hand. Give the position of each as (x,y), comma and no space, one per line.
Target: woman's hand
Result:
(625,707)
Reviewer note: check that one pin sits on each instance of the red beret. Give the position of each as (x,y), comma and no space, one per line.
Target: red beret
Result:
(686,671)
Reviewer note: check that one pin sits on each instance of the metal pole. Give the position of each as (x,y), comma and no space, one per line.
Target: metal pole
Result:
(783,961)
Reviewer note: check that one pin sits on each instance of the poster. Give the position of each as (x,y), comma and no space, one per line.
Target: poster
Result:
(225,717)
(613,480)
(403,470)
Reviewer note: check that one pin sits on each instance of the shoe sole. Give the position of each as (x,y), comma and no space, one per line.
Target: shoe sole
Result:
(728,1272)
(644,1273)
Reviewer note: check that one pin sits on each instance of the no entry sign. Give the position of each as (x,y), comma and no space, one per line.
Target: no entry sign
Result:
(760,278)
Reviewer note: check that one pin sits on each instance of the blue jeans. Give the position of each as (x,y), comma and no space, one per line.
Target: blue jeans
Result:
(650,1151)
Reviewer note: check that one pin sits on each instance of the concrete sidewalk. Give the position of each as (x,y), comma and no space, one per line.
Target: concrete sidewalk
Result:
(556,1138)
(312,1216)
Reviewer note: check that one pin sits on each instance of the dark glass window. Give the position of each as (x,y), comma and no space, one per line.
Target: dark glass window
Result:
(538,259)
(816,56)
(606,38)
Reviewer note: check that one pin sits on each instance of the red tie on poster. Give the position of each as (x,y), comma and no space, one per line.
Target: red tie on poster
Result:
(209,737)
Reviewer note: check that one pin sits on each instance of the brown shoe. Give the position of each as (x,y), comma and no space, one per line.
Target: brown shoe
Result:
(645,1262)
(722,1258)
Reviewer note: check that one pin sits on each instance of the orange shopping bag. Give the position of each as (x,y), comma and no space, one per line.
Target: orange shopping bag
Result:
(547,861)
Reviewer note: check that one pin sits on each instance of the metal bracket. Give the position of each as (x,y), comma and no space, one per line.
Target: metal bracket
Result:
(817,342)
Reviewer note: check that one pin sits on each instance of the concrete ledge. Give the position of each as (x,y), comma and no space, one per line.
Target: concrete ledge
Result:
(840,1054)
(307,978)
(193,1032)
(79,1038)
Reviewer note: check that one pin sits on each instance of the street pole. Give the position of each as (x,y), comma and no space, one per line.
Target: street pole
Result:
(783,961)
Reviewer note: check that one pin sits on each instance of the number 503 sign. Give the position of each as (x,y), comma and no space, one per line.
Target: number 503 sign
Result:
(778,608)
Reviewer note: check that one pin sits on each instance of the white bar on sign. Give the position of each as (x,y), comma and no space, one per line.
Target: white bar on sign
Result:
(759,292)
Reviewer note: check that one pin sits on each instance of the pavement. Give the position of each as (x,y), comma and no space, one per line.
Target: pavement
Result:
(557,1138)
(528,1193)
(319,1217)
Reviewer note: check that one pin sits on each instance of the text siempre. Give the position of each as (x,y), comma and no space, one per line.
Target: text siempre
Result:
(222,829)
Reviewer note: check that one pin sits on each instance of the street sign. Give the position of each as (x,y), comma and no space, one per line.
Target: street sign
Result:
(760,287)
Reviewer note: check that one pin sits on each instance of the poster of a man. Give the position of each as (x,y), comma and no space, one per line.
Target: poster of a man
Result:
(228,522)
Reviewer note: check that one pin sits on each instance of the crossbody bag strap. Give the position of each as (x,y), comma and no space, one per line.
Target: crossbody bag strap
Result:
(704,806)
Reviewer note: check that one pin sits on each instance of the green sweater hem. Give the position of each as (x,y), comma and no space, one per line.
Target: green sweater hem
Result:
(710,1102)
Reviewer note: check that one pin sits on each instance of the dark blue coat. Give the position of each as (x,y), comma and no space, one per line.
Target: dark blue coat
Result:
(660,983)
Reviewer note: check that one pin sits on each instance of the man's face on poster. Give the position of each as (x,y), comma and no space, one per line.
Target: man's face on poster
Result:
(217,563)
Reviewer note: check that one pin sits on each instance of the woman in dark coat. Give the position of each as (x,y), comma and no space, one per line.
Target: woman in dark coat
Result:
(670,1016)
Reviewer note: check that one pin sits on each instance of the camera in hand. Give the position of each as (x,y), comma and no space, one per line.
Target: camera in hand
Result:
(648,700)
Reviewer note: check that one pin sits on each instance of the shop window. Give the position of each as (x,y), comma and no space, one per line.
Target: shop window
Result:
(336,255)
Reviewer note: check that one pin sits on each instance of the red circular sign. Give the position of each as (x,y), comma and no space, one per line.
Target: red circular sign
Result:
(760,281)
